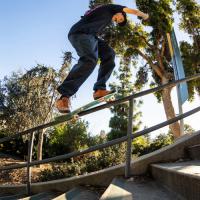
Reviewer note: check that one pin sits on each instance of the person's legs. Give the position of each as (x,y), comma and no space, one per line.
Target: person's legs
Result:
(87,49)
(107,57)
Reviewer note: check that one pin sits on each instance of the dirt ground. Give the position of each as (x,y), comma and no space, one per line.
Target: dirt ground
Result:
(17,176)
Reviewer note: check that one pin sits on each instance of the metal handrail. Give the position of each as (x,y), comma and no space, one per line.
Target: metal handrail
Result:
(107,144)
(127,138)
(101,107)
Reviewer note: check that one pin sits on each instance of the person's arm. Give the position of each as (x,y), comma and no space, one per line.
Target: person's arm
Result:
(136,12)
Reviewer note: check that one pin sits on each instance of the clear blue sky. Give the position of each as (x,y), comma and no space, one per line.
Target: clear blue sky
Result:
(35,31)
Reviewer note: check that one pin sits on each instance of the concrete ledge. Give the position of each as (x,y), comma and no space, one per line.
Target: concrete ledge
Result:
(104,177)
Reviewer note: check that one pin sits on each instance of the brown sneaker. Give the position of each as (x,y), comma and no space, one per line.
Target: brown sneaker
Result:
(101,93)
(63,105)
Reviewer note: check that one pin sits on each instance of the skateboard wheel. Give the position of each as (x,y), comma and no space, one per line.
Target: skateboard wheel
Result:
(76,117)
(112,98)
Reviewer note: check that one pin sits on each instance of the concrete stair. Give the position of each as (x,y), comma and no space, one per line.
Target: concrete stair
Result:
(137,189)
(41,196)
(79,193)
(11,196)
(181,177)
(194,152)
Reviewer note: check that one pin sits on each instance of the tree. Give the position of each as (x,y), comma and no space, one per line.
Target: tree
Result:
(189,11)
(141,145)
(160,141)
(191,63)
(68,137)
(27,99)
(119,121)
(190,19)
(151,46)
(188,129)
(40,83)
(156,53)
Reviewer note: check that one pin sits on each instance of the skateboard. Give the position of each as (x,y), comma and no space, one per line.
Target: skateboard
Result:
(74,115)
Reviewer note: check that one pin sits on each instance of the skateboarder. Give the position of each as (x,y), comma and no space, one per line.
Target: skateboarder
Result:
(84,38)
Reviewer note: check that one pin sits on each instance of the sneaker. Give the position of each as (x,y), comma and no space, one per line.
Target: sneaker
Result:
(101,93)
(63,105)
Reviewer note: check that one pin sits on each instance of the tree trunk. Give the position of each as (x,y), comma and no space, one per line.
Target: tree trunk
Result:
(169,110)
(40,144)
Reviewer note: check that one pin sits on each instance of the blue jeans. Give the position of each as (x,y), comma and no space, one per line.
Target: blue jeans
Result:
(89,48)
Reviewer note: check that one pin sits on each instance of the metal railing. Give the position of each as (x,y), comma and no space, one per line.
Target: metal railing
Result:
(128,138)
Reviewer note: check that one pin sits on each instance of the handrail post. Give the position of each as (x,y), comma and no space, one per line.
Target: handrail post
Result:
(180,109)
(30,153)
(129,140)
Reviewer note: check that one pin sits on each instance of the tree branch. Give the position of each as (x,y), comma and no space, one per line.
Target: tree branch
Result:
(148,44)
(154,67)
(163,48)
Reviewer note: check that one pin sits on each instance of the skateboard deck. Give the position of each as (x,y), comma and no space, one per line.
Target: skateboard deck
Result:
(74,114)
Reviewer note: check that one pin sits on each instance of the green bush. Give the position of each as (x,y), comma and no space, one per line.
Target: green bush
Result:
(17,147)
(59,171)
(143,145)
(67,138)
(85,164)
(51,174)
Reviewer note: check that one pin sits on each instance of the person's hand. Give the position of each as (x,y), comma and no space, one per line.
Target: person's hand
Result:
(145,17)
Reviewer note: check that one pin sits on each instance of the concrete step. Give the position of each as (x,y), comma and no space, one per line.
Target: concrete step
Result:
(79,193)
(11,196)
(194,152)
(137,189)
(181,177)
(41,196)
